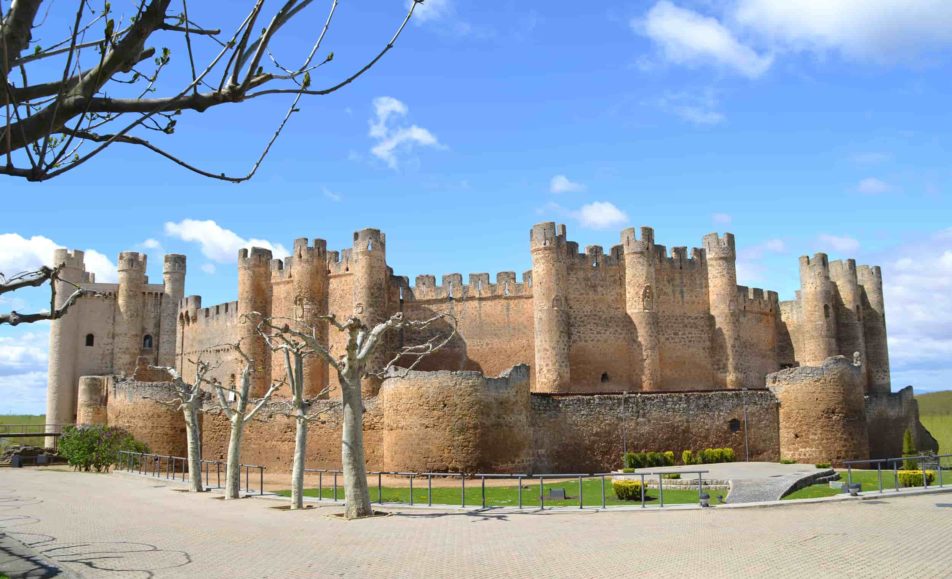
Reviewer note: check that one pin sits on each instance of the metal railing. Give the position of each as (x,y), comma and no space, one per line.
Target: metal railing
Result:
(922,460)
(176,468)
(578,479)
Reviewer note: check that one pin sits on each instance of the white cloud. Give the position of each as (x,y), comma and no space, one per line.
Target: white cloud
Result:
(877,30)
(23,393)
(217,243)
(842,244)
(750,265)
(23,370)
(601,215)
(687,38)
(697,108)
(152,244)
(873,186)
(23,353)
(722,218)
(430,10)
(562,184)
(335,197)
(392,137)
(19,254)
(209,268)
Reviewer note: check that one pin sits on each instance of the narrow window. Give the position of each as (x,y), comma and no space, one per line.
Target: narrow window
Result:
(605,377)
(734,425)
(826,311)
(90,340)
(147,342)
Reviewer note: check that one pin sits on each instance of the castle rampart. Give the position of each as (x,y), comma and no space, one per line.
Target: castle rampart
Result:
(870,278)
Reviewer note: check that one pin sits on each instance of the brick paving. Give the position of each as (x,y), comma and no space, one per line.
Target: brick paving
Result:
(124,526)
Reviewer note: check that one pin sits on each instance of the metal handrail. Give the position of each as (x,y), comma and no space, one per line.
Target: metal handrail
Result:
(879,462)
(130,461)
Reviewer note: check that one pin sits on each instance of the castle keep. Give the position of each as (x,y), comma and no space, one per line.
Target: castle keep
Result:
(639,347)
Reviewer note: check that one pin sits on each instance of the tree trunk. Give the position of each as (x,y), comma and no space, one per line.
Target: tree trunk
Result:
(233,467)
(297,470)
(356,492)
(194,435)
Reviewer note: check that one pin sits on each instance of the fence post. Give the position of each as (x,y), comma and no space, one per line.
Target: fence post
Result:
(218,474)
(896,474)
(379,488)
(580,492)
(700,491)
(320,485)
(519,482)
(925,478)
(940,471)
(247,483)
(482,480)
(261,474)
(661,489)
(541,495)
(603,491)
(411,489)
(462,478)
(429,489)
(879,474)
(642,491)
(335,486)
(849,476)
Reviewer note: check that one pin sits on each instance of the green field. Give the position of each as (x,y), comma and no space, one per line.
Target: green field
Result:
(12,419)
(508,496)
(935,412)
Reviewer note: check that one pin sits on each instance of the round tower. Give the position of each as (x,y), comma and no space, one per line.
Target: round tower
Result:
(849,312)
(173,277)
(722,291)
(64,342)
(816,310)
(309,276)
(874,327)
(127,343)
(254,295)
(640,291)
(369,264)
(822,412)
(550,309)
(91,402)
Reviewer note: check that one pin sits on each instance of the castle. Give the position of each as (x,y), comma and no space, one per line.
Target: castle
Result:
(595,352)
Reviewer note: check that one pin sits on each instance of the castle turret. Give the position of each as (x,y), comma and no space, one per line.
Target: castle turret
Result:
(874,327)
(371,285)
(309,275)
(818,333)
(640,291)
(254,295)
(65,340)
(127,342)
(173,273)
(849,312)
(549,273)
(722,291)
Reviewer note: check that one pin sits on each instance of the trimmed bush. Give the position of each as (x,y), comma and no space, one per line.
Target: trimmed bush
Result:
(672,475)
(627,470)
(909,449)
(96,447)
(647,459)
(913,478)
(627,490)
(822,465)
(669,458)
(687,457)
(787,461)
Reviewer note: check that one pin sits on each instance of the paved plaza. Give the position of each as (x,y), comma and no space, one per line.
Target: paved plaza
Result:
(125,526)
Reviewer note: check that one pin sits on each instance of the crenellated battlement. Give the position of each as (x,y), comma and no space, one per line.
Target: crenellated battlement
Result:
(256,257)
(227,311)
(679,257)
(718,247)
(479,286)
(548,236)
(755,299)
(132,261)
(867,274)
(631,244)
(340,262)
(819,264)
(71,258)
(174,263)
(593,256)
(370,240)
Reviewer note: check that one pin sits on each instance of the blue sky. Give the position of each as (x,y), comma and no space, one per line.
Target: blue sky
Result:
(799,126)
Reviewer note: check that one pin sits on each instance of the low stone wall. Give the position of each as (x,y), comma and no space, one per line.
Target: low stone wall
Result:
(822,412)
(136,407)
(888,416)
(581,433)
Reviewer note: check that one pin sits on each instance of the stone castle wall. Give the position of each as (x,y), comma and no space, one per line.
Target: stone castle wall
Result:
(137,407)
(888,416)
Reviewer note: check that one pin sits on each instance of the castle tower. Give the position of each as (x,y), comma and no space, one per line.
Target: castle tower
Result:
(127,341)
(62,378)
(371,284)
(254,295)
(818,340)
(849,312)
(549,307)
(173,274)
(309,277)
(640,292)
(870,279)
(722,289)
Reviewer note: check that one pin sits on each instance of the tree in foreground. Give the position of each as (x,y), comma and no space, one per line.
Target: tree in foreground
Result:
(66,97)
(354,364)
(58,304)
(234,402)
(190,399)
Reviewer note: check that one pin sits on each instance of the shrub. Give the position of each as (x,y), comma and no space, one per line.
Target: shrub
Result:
(913,478)
(671,475)
(627,470)
(647,459)
(627,490)
(632,460)
(787,461)
(96,447)
(669,458)
(822,465)
(908,449)
(729,455)
(687,457)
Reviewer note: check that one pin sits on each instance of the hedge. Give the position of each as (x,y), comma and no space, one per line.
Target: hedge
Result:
(627,490)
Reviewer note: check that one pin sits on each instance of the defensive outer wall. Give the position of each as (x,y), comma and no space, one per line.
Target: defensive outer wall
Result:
(636,348)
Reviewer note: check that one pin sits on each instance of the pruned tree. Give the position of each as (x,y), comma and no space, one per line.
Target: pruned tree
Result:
(294,351)
(37,278)
(234,402)
(190,399)
(363,342)
(105,82)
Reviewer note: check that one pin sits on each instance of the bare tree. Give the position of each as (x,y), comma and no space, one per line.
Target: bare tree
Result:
(294,350)
(67,100)
(36,279)
(234,401)
(190,400)
(353,365)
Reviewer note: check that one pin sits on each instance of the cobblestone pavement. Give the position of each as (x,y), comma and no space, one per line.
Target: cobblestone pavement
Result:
(124,526)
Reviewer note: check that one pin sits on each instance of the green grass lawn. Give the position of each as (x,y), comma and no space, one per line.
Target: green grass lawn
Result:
(31,419)
(508,496)
(869,479)
(935,412)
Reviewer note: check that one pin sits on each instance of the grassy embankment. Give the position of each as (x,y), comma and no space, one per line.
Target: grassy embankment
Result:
(11,419)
